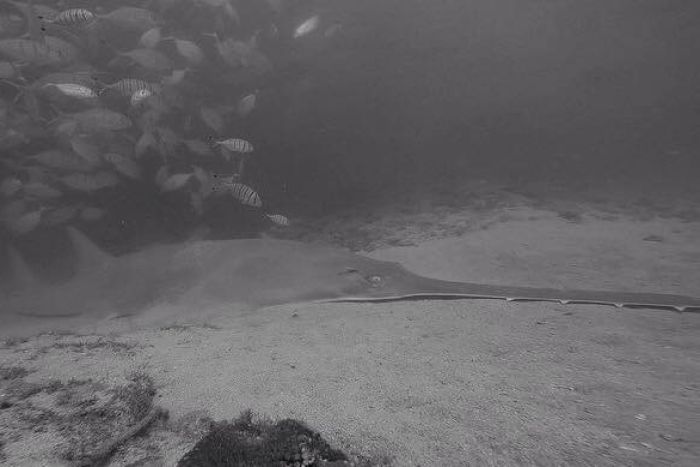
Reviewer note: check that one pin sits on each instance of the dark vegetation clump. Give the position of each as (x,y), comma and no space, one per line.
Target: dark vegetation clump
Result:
(11,342)
(128,411)
(89,420)
(86,346)
(94,424)
(248,443)
(12,372)
(571,216)
(136,398)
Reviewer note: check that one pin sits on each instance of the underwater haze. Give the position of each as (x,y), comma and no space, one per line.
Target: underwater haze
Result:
(139,122)
(440,232)
(536,89)
(151,119)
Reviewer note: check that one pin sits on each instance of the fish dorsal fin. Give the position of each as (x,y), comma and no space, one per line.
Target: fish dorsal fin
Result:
(21,274)
(90,256)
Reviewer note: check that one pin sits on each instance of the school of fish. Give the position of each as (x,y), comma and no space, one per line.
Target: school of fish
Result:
(96,99)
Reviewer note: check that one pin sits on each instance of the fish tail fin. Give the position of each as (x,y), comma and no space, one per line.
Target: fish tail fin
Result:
(36,32)
(31,102)
(114,63)
(90,255)
(19,87)
(101,87)
(20,90)
(214,34)
(59,114)
(20,272)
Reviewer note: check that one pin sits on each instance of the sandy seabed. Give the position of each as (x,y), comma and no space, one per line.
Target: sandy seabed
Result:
(464,382)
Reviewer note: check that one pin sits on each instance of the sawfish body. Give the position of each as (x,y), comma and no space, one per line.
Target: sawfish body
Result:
(261,272)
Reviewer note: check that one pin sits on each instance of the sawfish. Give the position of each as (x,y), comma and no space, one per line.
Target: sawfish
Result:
(258,273)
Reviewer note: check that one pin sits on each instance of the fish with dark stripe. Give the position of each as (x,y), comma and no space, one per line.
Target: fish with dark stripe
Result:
(236,145)
(128,86)
(245,194)
(231,185)
(72,17)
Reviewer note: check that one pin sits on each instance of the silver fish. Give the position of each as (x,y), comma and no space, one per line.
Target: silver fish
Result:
(87,150)
(81,78)
(245,194)
(77,91)
(29,10)
(169,140)
(175,182)
(233,52)
(131,18)
(197,203)
(72,17)
(101,119)
(333,30)
(212,118)
(128,86)
(221,184)
(278,219)
(91,213)
(40,190)
(25,223)
(189,51)
(200,148)
(176,77)
(123,165)
(307,27)
(246,104)
(149,58)
(44,12)
(200,174)
(53,51)
(90,182)
(11,24)
(13,209)
(161,175)
(60,215)
(57,159)
(8,71)
(145,142)
(150,38)
(9,186)
(236,145)
(139,96)
(226,6)
(218,184)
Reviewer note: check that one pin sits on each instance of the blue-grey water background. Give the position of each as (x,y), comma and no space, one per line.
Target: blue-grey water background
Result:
(380,99)
(539,143)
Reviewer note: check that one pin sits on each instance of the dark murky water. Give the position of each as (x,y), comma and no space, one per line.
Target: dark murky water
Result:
(145,120)
(366,123)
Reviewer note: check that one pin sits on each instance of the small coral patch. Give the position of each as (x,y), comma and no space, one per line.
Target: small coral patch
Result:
(261,443)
